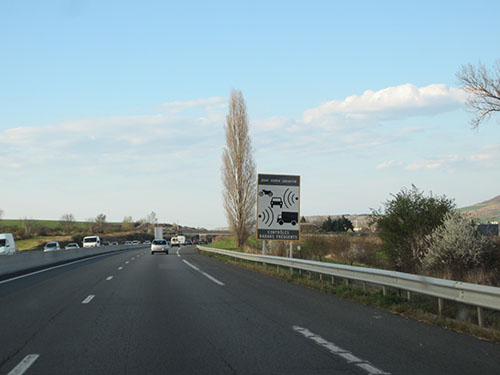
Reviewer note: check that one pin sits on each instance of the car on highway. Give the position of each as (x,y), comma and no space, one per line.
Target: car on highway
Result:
(147,242)
(106,243)
(114,243)
(127,243)
(72,245)
(136,242)
(52,246)
(7,244)
(159,246)
(91,241)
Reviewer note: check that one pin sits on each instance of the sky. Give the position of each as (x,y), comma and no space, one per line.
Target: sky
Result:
(118,107)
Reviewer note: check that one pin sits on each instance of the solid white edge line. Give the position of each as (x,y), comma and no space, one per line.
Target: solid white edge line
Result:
(88,299)
(191,265)
(345,354)
(109,278)
(211,278)
(24,364)
(54,267)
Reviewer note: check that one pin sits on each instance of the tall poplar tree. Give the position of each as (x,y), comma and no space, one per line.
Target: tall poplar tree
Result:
(238,171)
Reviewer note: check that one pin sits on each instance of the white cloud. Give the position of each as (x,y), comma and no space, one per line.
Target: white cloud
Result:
(389,103)
(479,157)
(433,163)
(270,124)
(385,164)
(113,144)
(488,154)
(207,104)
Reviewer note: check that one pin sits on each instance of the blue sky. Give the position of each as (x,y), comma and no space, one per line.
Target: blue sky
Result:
(118,107)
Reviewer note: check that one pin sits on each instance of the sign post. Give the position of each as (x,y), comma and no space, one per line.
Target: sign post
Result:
(278,208)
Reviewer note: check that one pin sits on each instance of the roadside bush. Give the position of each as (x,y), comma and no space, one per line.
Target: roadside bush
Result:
(314,247)
(407,219)
(363,250)
(456,247)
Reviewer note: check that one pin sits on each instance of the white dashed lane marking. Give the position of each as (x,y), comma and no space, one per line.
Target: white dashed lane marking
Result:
(345,354)
(88,299)
(24,364)
(109,278)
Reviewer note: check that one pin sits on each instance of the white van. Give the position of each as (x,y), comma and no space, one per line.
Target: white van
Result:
(174,241)
(91,241)
(7,244)
(182,240)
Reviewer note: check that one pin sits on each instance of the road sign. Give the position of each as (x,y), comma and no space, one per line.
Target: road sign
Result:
(278,207)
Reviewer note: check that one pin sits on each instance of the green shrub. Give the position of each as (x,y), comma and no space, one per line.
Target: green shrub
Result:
(408,218)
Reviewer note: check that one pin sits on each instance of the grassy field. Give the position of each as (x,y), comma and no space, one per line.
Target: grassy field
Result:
(37,243)
(43,223)
(228,243)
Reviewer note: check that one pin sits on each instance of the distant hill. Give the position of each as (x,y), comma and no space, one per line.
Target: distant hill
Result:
(486,211)
(358,221)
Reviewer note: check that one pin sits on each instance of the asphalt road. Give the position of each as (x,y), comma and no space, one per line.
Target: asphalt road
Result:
(136,313)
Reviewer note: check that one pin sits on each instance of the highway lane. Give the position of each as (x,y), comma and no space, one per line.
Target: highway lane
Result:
(191,314)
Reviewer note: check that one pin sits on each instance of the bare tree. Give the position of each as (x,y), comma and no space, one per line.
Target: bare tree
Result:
(151,218)
(100,223)
(127,223)
(29,227)
(238,171)
(483,87)
(67,223)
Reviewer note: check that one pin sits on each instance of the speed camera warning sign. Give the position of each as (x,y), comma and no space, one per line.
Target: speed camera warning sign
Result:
(278,207)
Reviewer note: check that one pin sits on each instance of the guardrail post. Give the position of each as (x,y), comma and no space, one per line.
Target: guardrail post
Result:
(480,317)
(291,271)
(364,286)
(333,280)
(440,306)
(278,268)
(321,277)
(346,282)
(408,295)
(384,290)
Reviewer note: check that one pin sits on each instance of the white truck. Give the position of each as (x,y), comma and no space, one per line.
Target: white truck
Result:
(182,240)
(7,244)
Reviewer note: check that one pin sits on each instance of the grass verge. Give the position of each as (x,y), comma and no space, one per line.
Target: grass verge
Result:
(37,243)
(456,316)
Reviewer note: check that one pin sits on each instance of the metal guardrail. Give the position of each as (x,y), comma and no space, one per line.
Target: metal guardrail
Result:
(481,296)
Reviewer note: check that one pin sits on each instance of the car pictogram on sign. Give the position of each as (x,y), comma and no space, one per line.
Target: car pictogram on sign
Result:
(276,201)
